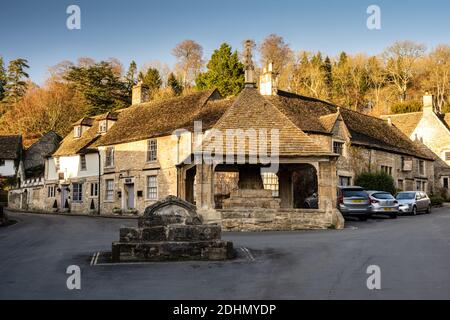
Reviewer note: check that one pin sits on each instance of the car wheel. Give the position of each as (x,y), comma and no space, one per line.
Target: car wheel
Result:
(429,209)
(414,211)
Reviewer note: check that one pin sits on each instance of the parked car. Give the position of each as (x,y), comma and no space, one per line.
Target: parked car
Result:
(384,203)
(354,202)
(413,202)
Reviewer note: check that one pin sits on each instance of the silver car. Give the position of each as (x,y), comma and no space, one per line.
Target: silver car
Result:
(413,202)
(354,202)
(383,203)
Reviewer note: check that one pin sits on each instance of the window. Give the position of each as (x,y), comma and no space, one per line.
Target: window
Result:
(83,162)
(387,169)
(2,162)
(77,192)
(77,132)
(57,164)
(109,194)
(400,184)
(445,182)
(109,161)
(270,181)
(51,191)
(152,188)
(102,127)
(94,189)
(421,167)
(338,147)
(421,185)
(345,181)
(447,156)
(152,150)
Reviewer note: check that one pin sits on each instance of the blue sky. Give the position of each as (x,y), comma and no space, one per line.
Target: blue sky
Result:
(148,30)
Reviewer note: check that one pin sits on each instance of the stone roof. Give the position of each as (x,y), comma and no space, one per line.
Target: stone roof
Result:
(72,145)
(10,147)
(252,111)
(162,118)
(406,122)
(365,130)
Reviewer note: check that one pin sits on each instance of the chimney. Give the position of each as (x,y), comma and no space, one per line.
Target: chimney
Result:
(428,104)
(139,93)
(268,81)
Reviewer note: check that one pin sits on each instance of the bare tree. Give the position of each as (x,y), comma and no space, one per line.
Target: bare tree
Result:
(274,49)
(400,60)
(437,76)
(189,55)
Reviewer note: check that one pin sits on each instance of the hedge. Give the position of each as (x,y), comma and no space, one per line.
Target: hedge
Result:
(376,181)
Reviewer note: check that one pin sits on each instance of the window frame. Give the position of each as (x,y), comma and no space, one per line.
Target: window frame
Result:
(83,163)
(78,192)
(77,132)
(94,191)
(420,166)
(109,192)
(51,191)
(109,157)
(271,182)
(340,145)
(152,150)
(444,179)
(154,187)
(103,126)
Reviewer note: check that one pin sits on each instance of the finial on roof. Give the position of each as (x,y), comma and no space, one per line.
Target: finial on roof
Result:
(248,64)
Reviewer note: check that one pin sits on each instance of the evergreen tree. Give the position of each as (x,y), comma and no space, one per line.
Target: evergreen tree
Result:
(3,79)
(152,80)
(130,77)
(174,84)
(328,75)
(101,87)
(16,85)
(225,72)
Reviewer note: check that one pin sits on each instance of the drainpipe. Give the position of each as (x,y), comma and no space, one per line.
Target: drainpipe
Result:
(99,182)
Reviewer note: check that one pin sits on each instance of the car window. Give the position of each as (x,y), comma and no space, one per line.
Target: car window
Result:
(406,196)
(354,193)
(383,196)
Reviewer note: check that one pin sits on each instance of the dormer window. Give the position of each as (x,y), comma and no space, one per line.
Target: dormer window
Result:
(77,132)
(102,126)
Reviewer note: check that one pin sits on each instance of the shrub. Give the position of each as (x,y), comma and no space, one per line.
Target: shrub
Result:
(437,200)
(405,107)
(378,181)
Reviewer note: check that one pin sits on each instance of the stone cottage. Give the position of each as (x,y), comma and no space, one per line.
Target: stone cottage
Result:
(29,191)
(431,129)
(10,155)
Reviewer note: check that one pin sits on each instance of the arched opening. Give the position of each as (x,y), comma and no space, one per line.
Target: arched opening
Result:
(305,187)
(190,185)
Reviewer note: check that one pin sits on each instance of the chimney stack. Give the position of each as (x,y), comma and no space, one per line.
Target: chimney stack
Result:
(268,81)
(139,93)
(428,103)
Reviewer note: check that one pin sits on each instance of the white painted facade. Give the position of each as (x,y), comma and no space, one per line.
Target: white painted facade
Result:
(8,169)
(71,167)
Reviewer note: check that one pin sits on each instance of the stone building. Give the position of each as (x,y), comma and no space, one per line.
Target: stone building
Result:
(431,129)
(264,160)
(29,191)
(10,155)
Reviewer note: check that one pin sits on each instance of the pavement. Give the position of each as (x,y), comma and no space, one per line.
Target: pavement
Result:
(413,254)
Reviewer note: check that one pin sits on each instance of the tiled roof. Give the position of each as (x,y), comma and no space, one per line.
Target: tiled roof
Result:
(251,111)
(160,118)
(406,122)
(10,147)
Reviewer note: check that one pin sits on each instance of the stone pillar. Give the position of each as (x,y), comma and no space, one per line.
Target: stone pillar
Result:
(327,180)
(285,188)
(205,186)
